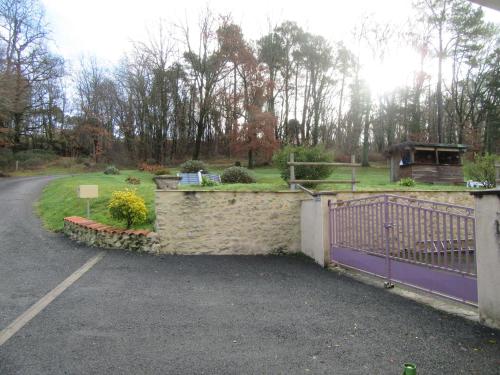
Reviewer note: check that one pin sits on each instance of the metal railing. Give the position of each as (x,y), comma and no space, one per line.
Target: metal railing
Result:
(295,182)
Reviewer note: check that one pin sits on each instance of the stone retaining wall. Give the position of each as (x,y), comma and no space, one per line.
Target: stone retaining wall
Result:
(222,222)
(238,222)
(99,235)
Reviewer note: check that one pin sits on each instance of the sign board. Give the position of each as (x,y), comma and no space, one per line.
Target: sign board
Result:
(87,191)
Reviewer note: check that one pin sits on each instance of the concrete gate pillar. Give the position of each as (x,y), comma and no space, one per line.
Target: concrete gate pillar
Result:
(314,226)
(487,211)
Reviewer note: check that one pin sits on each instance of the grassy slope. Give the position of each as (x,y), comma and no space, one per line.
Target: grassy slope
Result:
(59,198)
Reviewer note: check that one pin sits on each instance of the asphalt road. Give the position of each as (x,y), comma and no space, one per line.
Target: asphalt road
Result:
(141,314)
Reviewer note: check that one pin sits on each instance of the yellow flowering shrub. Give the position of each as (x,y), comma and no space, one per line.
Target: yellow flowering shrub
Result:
(127,206)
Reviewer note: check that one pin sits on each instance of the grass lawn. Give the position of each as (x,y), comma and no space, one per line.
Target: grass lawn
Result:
(59,198)
(374,178)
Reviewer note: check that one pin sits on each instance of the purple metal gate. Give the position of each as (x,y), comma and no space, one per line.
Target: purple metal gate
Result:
(424,244)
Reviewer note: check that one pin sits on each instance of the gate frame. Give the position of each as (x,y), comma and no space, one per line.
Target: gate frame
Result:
(451,283)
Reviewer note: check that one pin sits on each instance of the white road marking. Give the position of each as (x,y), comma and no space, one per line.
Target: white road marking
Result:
(43,302)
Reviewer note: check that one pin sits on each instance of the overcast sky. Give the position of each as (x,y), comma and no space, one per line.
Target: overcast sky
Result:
(104,28)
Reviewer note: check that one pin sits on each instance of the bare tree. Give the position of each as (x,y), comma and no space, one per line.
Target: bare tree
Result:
(26,61)
(206,68)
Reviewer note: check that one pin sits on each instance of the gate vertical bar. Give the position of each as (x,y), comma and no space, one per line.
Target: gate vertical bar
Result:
(467,261)
(459,236)
(387,227)
(331,227)
(474,264)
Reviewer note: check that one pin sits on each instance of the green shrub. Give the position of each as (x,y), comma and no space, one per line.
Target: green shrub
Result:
(127,206)
(304,154)
(237,175)
(407,181)
(64,162)
(133,180)
(111,169)
(482,170)
(193,166)
(44,155)
(6,158)
(206,181)
(34,158)
(161,171)
(32,163)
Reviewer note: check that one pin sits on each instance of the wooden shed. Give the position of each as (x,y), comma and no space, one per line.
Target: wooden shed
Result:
(427,162)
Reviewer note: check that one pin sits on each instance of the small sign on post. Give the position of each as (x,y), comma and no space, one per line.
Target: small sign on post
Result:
(88,192)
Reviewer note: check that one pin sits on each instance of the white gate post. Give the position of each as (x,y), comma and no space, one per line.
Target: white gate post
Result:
(315,228)
(487,211)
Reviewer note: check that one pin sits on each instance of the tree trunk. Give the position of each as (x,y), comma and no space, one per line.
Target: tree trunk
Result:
(439,94)
(366,134)
(250,159)
(18,118)
(197,144)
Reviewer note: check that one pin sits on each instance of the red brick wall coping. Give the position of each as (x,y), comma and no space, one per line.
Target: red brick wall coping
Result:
(90,224)
(100,235)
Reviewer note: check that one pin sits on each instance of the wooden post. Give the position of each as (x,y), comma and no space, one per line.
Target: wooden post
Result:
(292,172)
(353,174)
(17,165)
(391,165)
(497,174)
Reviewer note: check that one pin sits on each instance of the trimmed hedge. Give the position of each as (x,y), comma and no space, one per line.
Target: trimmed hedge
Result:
(304,154)
(111,170)
(194,166)
(237,175)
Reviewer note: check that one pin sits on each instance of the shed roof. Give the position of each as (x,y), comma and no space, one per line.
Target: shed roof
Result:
(411,145)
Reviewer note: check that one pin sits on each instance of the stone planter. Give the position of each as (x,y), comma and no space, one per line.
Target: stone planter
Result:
(166,182)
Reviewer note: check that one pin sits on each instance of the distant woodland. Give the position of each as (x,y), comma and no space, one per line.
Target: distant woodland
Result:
(203,90)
